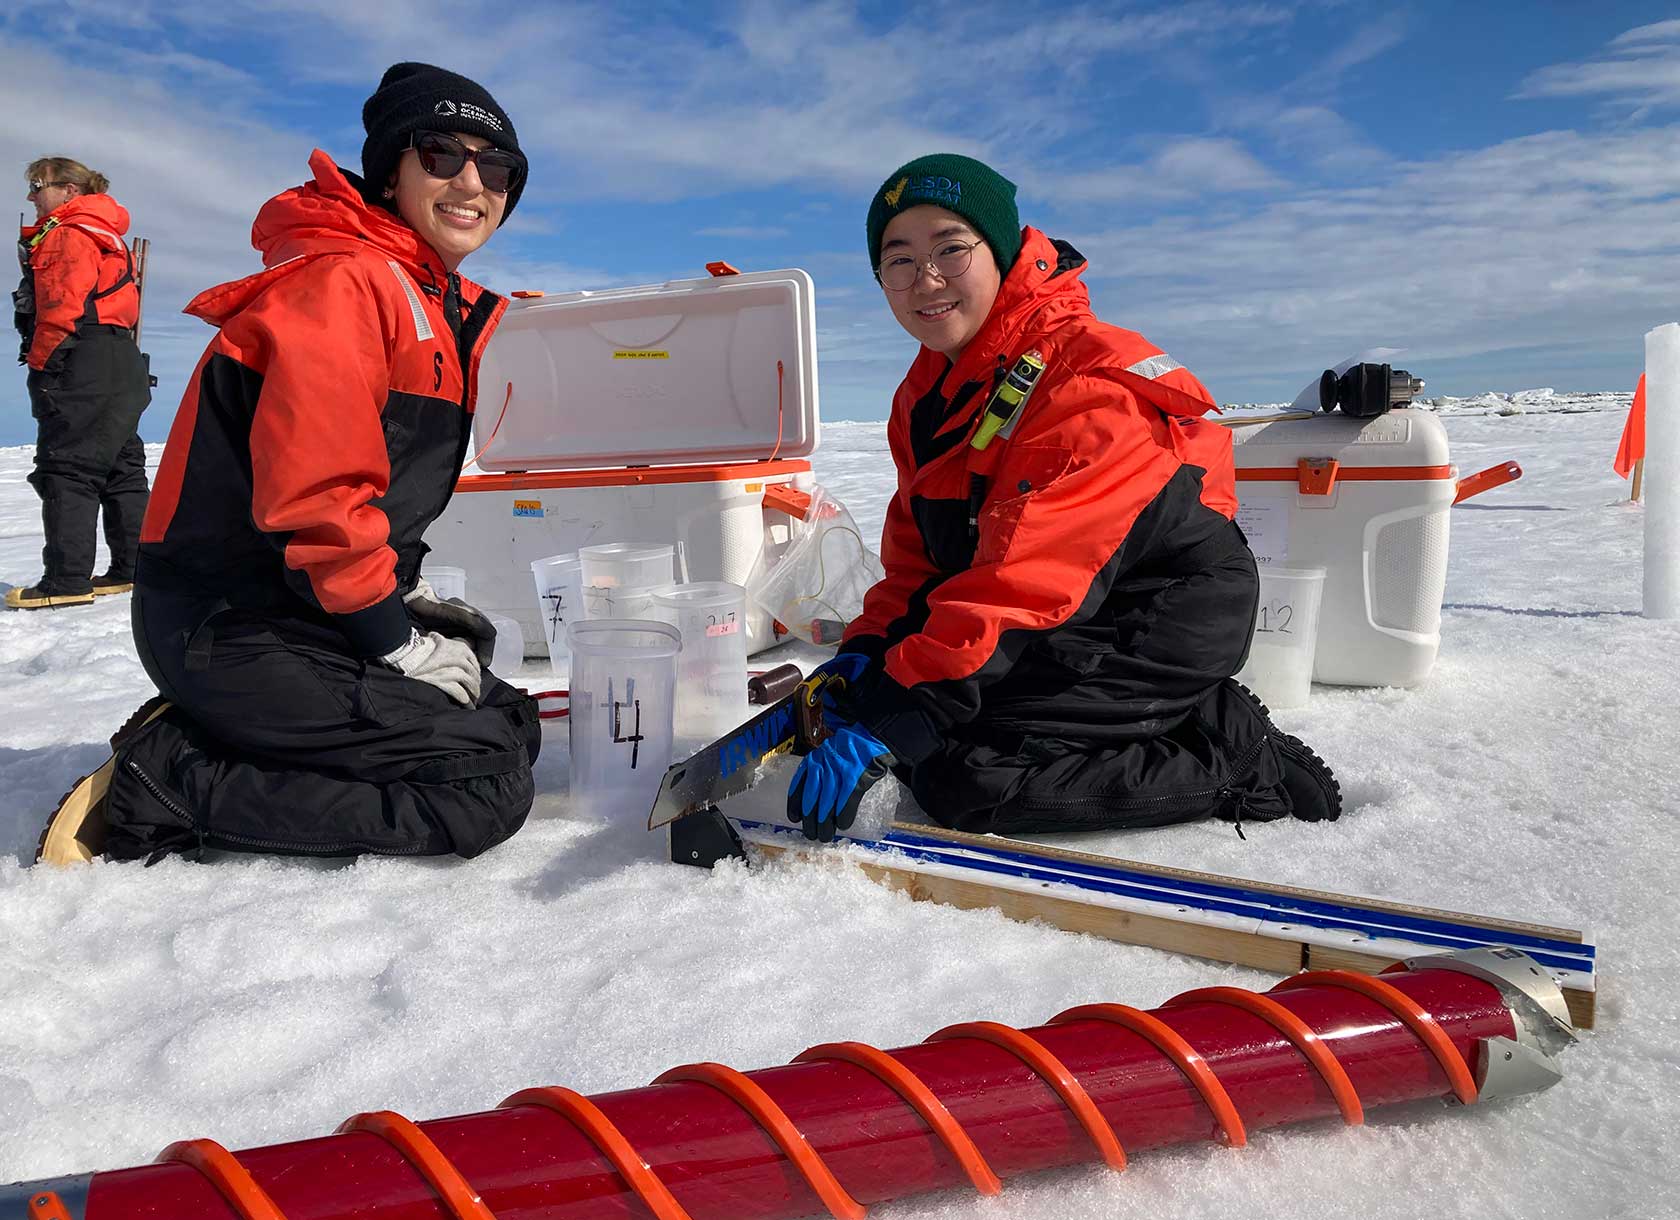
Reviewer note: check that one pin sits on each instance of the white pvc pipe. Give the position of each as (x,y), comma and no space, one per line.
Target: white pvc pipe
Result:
(1662,472)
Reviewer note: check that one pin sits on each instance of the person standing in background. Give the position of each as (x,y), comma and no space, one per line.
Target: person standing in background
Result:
(76,310)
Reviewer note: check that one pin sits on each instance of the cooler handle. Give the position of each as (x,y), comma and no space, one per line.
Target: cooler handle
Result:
(1487,480)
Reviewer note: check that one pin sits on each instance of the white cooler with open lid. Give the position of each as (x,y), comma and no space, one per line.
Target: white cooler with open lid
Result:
(670,413)
(1369,501)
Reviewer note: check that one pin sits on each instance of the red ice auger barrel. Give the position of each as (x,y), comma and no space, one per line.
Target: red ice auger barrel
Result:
(847,1125)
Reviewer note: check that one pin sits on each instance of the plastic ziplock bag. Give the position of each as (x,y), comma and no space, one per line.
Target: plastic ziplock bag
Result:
(813,581)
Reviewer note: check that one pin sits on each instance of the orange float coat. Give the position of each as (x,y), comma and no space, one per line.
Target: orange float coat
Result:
(1034,582)
(81,271)
(324,427)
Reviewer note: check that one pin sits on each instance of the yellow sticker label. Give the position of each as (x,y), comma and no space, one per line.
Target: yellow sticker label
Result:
(527,508)
(646,354)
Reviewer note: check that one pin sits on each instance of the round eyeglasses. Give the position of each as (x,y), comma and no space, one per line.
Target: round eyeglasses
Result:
(949,260)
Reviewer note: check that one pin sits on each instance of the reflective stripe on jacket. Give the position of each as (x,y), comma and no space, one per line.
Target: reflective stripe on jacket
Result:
(1111,488)
(326,424)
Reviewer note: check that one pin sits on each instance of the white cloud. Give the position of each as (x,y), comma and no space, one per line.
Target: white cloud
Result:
(1181,169)
(1639,69)
(816,96)
(1370,41)
(1314,135)
(1257,269)
(1557,240)
(824,97)
(1660,31)
(1297,118)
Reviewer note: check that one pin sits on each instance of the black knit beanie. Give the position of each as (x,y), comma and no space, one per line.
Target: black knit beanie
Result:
(976,192)
(418,97)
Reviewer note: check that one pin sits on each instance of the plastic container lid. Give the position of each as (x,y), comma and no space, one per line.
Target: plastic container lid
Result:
(1404,437)
(691,371)
(701,595)
(447,582)
(557,563)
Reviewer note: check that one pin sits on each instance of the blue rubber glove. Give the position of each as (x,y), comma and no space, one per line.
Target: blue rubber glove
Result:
(847,665)
(832,779)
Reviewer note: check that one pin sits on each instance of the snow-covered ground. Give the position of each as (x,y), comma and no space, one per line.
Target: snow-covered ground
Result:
(1536,776)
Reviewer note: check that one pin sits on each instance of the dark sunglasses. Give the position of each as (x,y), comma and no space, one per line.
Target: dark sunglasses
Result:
(443,156)
(36,186)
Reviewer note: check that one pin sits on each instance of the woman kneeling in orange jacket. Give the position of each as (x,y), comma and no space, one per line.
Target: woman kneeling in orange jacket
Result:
(1066,594)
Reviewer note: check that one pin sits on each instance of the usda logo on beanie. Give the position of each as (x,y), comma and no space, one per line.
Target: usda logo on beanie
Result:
(931,189)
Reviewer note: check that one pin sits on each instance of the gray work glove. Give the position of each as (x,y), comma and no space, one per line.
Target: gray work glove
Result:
(439,661)
(453,618)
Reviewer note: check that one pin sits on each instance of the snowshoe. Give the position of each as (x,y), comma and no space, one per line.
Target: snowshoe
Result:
(75,831)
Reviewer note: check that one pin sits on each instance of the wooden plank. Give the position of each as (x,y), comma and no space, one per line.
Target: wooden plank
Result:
(1274,950)
(1070,915)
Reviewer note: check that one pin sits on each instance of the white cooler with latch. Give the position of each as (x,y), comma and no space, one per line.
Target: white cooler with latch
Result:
(1369,501)
(677,413)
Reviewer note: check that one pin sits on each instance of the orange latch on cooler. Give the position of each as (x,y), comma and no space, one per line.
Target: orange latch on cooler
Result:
(786,498)
(721,268)
(1317,476)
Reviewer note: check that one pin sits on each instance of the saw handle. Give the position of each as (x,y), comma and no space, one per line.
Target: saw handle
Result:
(808,710)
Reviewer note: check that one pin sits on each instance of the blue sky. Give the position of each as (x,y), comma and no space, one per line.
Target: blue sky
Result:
(1261,188)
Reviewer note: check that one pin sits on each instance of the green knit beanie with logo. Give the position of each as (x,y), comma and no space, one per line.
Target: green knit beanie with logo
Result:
(976,192)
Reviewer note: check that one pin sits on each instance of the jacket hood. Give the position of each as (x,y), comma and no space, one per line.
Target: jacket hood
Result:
(1041,289)
(327,215)
(1042,292)
(99,216)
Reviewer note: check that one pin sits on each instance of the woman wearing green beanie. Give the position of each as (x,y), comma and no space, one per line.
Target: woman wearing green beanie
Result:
(1066,594)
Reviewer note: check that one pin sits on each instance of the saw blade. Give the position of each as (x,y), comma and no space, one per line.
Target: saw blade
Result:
(727,767)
